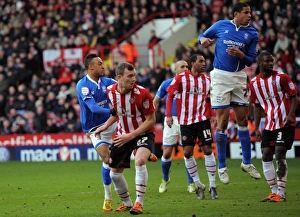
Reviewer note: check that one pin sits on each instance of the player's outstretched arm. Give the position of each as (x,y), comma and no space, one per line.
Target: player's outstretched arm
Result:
(106,125)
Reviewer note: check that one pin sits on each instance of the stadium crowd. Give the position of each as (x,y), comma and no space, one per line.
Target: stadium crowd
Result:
(34,100)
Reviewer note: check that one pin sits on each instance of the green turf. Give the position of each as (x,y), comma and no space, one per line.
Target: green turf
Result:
(75,189)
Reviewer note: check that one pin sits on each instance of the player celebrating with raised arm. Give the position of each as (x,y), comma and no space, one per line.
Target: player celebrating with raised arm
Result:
(276,94)
(135,116)
(170,135)
(94,111)
(236,43)
(191,90)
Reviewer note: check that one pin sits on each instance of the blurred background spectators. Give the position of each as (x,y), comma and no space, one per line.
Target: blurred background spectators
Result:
(35,100)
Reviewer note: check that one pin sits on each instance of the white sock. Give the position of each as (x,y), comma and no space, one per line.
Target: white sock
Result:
(107,188)
(192,168)
(210,165)
(141,180)
(269,172)
(281,183)
(121,187)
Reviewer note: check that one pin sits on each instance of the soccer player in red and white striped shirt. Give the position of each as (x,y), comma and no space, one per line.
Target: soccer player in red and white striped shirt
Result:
(191,89)
(135,115)
(276,94)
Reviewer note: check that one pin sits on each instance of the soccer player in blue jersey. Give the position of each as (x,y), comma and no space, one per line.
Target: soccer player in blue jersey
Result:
(236,48)
(94,111)
(170,134)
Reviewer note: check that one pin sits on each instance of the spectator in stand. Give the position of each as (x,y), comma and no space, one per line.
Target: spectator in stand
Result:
(153,39)
(180,49)
(5,128)
(52,123)
(282,42)
(129,51)
(3,83)
(2,104)
(159,74)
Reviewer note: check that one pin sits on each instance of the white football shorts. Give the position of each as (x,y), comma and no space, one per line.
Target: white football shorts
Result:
(170,135)
(105,136)
(228,88)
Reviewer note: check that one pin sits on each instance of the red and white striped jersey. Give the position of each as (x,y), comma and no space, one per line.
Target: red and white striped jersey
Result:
(273,95)
(192,98)
(131,107)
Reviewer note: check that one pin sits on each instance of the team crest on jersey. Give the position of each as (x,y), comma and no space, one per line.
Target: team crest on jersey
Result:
(246,36)
(103,88)
(85,91)
(146,104)
(131,100)
(291,85)
(136,91)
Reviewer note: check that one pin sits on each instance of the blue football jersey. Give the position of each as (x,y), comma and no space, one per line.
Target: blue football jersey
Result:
(228,35)
(162,93)
(88,89)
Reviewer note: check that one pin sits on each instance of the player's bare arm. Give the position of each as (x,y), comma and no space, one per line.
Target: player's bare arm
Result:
(124,138)
(156,102)
(106,125)
(206,42)
(289,118)
(257,117)
(169,121)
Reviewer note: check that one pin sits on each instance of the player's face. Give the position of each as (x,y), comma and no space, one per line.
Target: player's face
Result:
(267,64)
(199,65)
(97,66)
(244,17)
(181,67)
(128,79)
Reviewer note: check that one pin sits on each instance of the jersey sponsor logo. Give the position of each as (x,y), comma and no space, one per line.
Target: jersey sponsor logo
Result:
(291,85)
(231,43)
(85,91)
(146,104)
(102,103)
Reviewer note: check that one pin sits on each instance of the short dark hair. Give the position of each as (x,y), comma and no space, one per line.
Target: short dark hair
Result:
(193,59)
(262,55)
(88,59)
(238,7)
(122,66)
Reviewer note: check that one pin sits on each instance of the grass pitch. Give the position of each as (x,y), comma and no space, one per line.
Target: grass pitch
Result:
(74,189)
